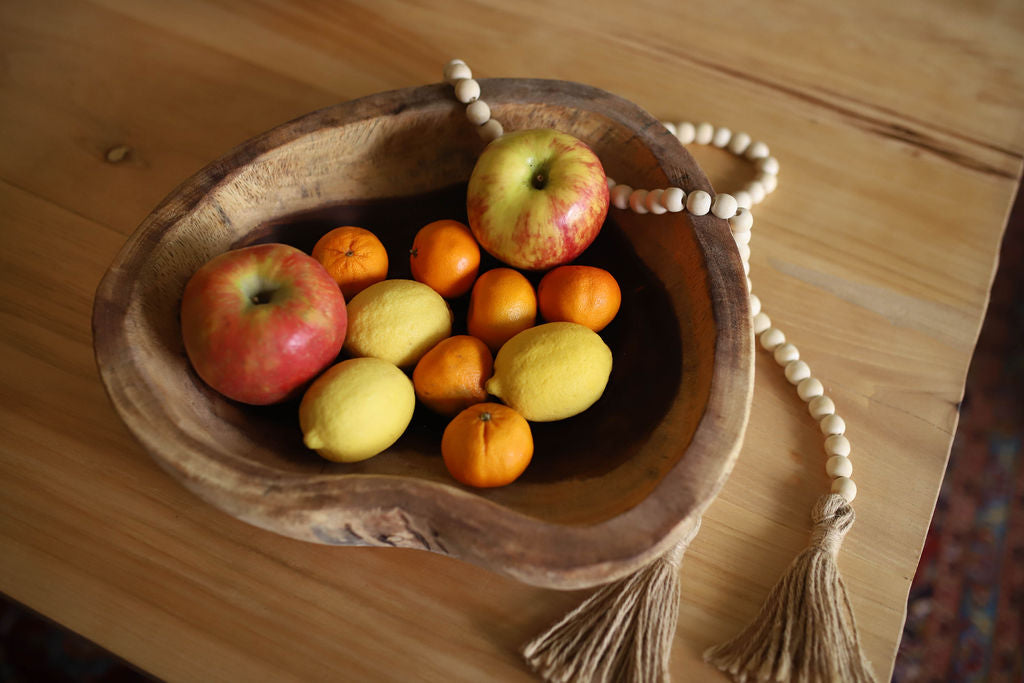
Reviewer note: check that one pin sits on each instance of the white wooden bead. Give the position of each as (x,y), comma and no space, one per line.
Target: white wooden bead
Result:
(744,249)
(786,354)
(769,182)
(761,322)
(456,72)
(755,304)
(756,190)
(750,285)
(724,206)
(620,196)
(820,407)
(837,444)
(686,132)
(638,201)
(743,221)
(739,143)
(609,182)
(810,389)
(832,424)
(757,150)
(698,202)
(721,137)
(670,127)
(742,239)
(797,371)
(467,90)
(478,113)
(772,338)
(672,199)
(451,65)
(768,165)
(838,466)
(491,130)
(653,202)
(746,263)
(743,199)
(705,131)
(845,487)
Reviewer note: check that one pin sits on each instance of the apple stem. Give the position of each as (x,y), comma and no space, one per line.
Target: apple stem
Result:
(539,181)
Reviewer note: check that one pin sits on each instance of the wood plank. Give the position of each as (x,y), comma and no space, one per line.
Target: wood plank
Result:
(898,129)
(954,71)
(82,81)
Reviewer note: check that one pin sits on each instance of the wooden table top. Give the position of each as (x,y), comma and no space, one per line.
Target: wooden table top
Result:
(899,131)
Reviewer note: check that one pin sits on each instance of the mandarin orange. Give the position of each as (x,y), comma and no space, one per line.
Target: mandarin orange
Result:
(450,377)
(487,445)
(501,305)
(354,257)
(445,256)
(579,294)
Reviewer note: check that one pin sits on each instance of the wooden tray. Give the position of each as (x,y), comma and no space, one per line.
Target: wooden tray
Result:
(607,491)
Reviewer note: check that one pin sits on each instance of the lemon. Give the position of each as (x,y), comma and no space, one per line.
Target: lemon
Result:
(551,371)
(397,321)
(356,409)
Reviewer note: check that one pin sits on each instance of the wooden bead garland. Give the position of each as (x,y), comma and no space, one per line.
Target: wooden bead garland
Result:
(811,584)
(736,209)
(467,91)
(810,596)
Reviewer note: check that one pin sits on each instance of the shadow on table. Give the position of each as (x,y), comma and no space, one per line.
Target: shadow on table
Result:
(33,649)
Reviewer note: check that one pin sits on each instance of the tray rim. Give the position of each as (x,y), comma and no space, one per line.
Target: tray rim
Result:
(252,496)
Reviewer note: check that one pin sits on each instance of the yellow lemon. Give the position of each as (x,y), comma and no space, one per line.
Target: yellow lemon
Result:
(356,409)
(397,321)
(552,371)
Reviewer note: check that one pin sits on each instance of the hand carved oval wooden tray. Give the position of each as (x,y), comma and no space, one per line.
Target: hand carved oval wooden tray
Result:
(607,491)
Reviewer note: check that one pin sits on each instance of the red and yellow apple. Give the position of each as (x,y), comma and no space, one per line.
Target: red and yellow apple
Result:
(260,322)
(537,198)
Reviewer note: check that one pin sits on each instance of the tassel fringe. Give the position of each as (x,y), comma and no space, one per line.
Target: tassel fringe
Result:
(805,631)
(621,633)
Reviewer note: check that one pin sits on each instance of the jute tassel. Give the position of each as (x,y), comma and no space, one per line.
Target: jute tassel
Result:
(621,633)
(805,632)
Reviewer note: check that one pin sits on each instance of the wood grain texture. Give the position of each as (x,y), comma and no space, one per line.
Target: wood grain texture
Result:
(899,133)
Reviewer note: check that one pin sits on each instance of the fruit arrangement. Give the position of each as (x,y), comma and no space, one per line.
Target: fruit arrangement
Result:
(269,323)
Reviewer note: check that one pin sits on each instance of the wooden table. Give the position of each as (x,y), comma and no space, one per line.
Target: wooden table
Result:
(898,127)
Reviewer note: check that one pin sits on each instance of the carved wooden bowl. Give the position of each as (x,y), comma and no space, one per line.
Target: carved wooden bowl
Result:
(607,491)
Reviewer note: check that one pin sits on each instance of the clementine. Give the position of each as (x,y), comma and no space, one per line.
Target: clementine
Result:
(450,377)
(487,445)
(579,294)
(354,257)
(445,256)
(501,305)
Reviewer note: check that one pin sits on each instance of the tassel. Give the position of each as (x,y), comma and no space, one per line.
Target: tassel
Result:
(805,632)
(622,633)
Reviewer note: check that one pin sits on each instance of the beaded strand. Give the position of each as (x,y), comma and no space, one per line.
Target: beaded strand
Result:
(467,91)
(734,208)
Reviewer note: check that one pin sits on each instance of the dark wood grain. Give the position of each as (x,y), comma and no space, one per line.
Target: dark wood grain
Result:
(609,489)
